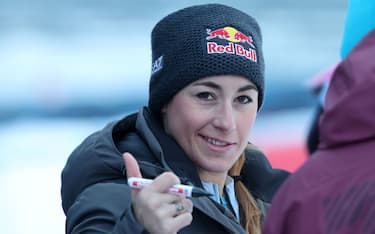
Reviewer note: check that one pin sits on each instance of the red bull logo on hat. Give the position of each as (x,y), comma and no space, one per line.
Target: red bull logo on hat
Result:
(233,36)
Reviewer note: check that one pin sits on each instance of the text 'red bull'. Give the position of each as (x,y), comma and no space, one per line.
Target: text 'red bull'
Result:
(214,48)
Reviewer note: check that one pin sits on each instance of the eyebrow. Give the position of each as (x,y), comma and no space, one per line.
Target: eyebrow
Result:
(218,87)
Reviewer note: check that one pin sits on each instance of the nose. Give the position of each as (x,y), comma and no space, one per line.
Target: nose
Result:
(225,118)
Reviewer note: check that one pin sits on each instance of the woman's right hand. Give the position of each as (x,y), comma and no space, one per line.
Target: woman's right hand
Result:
(154,208)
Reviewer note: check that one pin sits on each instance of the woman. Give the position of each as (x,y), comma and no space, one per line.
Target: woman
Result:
(206,87)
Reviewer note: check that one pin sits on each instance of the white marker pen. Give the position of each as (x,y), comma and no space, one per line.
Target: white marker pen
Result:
(178,189)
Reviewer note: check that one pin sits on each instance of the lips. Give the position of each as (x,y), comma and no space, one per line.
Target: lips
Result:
(217,142)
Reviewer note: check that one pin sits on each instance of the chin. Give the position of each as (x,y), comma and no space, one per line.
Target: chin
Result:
(218,168)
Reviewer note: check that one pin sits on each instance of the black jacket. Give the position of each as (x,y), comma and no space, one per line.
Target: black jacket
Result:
(96,199)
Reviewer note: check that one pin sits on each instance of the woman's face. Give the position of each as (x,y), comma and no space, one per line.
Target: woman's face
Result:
(211,119)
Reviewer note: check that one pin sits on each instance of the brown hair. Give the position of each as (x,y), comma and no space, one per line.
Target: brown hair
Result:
(249,211)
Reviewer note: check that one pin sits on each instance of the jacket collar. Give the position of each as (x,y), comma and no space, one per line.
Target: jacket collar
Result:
(258,175)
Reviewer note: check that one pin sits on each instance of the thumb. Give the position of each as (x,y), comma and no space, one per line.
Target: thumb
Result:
(131,165)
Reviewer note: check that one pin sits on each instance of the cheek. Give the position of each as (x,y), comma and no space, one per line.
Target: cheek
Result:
(189,122)
(245,123)
(181,123)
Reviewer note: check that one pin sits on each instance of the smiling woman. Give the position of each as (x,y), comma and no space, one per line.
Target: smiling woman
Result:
(201,109)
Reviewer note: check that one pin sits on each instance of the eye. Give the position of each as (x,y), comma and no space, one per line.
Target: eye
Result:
(205,96)
(244,99)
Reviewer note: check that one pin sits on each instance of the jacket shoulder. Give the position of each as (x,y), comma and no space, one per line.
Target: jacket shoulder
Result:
(89,214)
(258,175)
(96,159)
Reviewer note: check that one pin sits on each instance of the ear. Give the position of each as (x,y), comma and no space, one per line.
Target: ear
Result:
(163,117)
(164,109)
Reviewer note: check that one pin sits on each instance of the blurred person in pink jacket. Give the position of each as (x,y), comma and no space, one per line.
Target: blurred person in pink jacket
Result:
(334,190)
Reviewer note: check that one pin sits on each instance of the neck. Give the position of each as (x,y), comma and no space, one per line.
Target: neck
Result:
(215,178)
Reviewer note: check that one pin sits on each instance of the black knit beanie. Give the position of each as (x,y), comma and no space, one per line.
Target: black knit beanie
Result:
(200,41)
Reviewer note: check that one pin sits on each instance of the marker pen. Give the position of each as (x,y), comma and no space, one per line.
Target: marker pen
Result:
(178,189)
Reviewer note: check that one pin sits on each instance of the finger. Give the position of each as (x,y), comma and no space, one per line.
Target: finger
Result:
(184,219)
(181,221)
(163,182)
(131,165)
(188,205)
(183,206)
(176,208)
(174,224)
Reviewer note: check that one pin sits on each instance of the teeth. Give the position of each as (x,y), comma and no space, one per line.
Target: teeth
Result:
(215,142)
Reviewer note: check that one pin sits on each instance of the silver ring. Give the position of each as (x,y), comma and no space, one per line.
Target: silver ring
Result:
(179,207)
